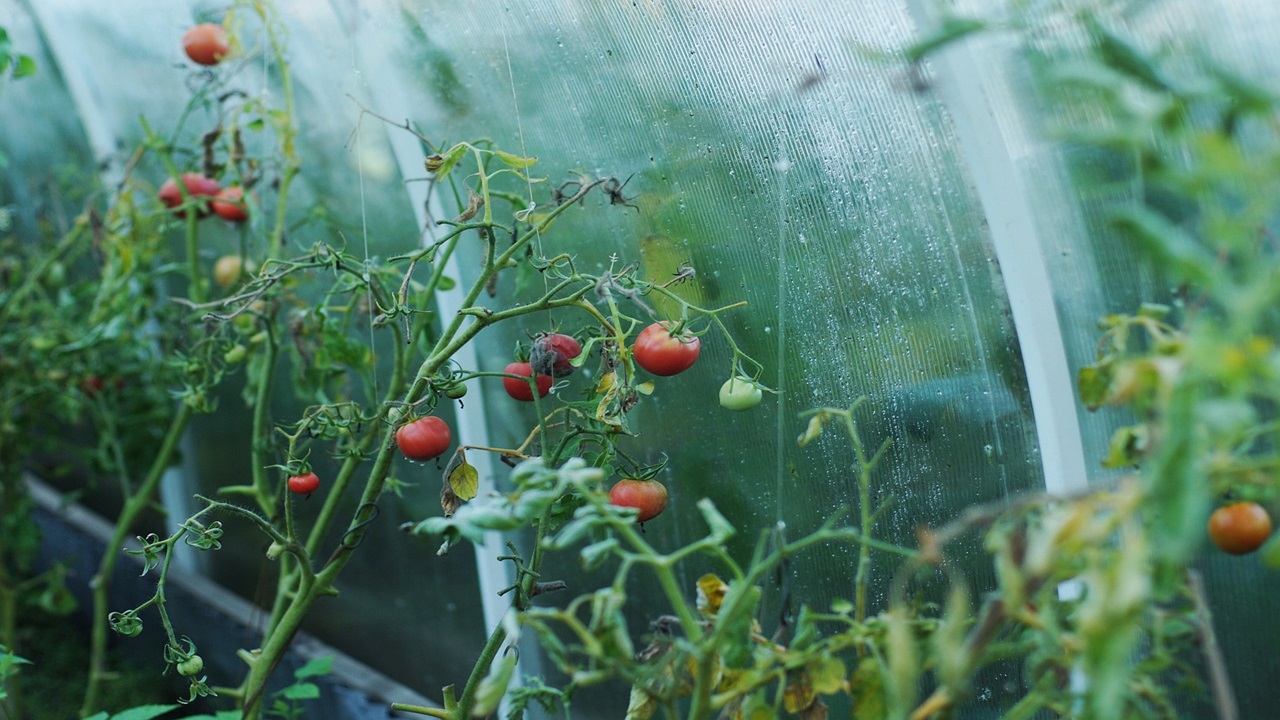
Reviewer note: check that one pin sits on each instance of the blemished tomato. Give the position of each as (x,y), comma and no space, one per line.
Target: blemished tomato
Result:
(227,269)
(304,484)
(519,389)
(739,393)
(229,205)
(206,43)
(648,497)
(424,438)
(1239,528)
(552,354)
(198,186)
(659,353)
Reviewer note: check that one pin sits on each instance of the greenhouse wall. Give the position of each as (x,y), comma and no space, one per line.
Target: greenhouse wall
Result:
(996,273)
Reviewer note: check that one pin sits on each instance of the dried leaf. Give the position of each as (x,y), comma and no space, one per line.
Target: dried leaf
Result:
(463,478)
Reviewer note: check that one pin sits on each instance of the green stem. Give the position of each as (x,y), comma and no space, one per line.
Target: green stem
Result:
(101,582)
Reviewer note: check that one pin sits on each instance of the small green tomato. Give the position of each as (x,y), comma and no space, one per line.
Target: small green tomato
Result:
(191,666)
(739,393)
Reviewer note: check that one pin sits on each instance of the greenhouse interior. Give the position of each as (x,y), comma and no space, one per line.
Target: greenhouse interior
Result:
(729,360)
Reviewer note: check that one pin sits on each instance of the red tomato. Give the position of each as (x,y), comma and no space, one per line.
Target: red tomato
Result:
(424,438)
(304,484)
(552,353)
(649,497)
(206,43)
(1239,528)
(659,353)
(198,186)
(519,389)
(229,204)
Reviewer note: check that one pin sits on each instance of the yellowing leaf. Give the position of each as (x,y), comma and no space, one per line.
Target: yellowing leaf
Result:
(607,383)
(645,388)
(641,706)
(711,592)
(463,478)
(828,675)
(812,432)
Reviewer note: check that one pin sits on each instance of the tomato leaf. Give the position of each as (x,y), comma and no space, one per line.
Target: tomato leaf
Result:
(514,160)
(314,667)
(449,159)
(144,712)
(494,685)
(463,478)
(301,691)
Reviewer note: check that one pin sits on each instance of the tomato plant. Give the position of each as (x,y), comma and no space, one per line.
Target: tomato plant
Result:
(425,438)
(740,393)
(553,353)
(658,352)
(1239,528)
(519,389)
(206,43)
(229,204)
(648,497)
(304,484)
(198,187)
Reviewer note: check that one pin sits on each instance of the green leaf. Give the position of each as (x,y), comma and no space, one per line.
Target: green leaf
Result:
(1178,499)
(1094,385)
(144,712)
(314,667)
(494,685)
(26,67)
(449,159)
(1174,248)
(721,530)
(1124,58)
(300,691)
(515,161)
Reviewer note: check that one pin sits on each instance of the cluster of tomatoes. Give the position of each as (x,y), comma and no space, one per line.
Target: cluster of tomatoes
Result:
(206,44)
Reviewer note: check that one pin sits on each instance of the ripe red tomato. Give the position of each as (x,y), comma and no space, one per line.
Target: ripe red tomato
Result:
(229,204)
(304,484)
(649,497)
(552,353)
(1239,528)
(659,353)
(519,389)
(424,438)
(206,43)
(198,186)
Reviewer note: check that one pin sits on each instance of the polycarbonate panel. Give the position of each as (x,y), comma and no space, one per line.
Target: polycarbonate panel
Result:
(791,173)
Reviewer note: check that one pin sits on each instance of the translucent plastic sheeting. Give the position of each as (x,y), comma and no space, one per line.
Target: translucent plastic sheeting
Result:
(790,171)
(764,148)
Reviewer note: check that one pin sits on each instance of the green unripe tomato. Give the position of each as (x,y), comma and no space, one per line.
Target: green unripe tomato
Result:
(235,354)
(739,393)
(455,391)
(191,666)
